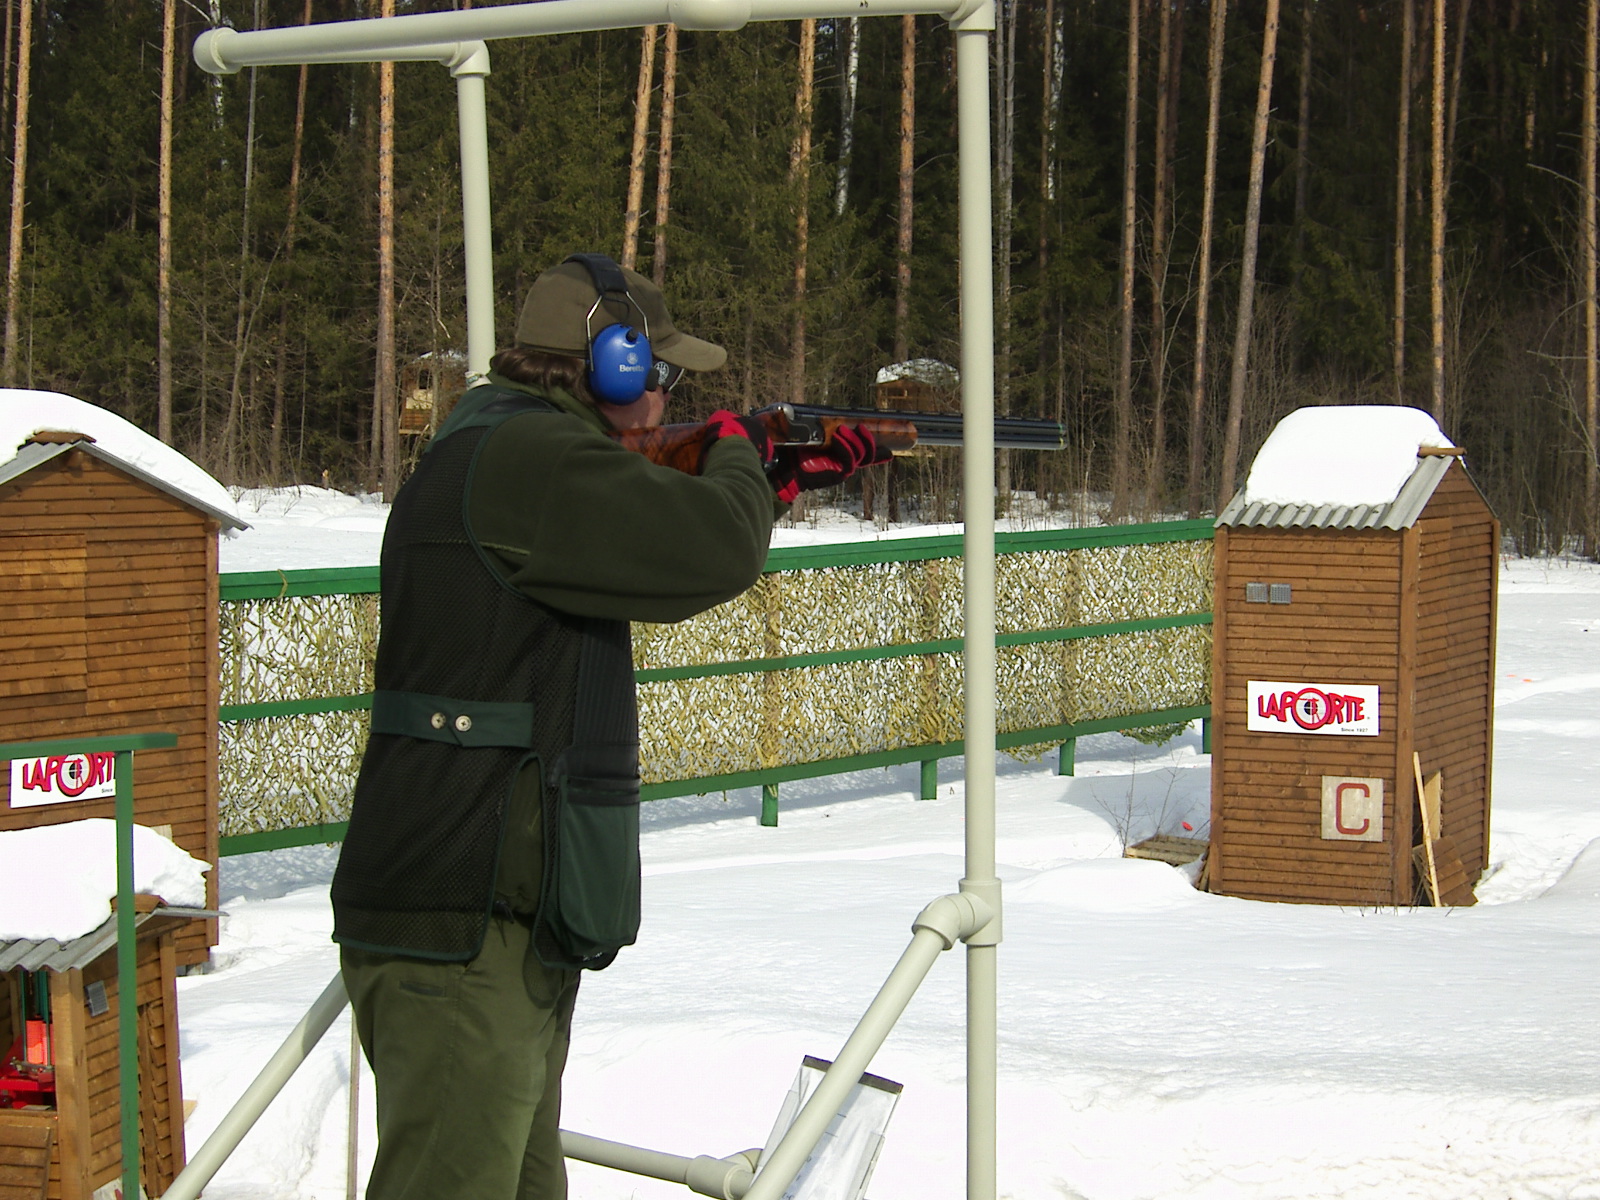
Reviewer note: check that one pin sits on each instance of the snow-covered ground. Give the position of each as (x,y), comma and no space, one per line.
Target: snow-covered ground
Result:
(1155,1041)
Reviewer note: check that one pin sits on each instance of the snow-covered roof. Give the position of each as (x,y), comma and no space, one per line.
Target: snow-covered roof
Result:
(116,441)
(923,370)
(1354,466)
(58,881)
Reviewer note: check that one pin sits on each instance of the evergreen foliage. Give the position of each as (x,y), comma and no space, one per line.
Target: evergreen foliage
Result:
(261,324)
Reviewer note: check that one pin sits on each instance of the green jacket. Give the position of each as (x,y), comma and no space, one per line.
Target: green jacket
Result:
(580,524)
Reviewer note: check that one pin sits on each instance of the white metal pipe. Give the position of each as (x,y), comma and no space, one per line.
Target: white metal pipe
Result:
(223,51)
(472,116)
(936,929)
(207,1160)
(725,1178)
(977,392)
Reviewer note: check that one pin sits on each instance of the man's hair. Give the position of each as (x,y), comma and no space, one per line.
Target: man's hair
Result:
(544,371)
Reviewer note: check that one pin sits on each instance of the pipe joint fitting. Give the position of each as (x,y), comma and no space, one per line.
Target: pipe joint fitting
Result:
(209,55)
(973,16)
(725,1178)
(954,917)
(987,893)
(709,14)
(470,58)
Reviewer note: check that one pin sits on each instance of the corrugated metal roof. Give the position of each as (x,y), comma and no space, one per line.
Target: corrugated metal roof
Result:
(47,954)
(36,454)
(1400,513)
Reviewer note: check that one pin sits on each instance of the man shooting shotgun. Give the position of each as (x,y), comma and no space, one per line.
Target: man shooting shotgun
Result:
(493,849)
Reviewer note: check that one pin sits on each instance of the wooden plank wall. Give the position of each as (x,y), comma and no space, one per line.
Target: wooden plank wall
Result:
(27,1142)
(1455,658)
(160,1104)
(1342,626)
(108,625)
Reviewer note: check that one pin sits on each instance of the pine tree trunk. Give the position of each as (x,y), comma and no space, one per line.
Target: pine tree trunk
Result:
(1402,177)
(19,178)
(1168,74)
(1455,93)
(1122,428)
(850,31)
(11,49)
(231,429)
(902,242)
(280,375)
(1197,394)
(669,105)
(384,418)
(169,20)
(641,137)
(1591,360)
(1247,267)
(1436,242)
(1302,160)
(800,173)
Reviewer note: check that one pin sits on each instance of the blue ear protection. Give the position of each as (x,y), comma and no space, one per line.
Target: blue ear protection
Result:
(620,361)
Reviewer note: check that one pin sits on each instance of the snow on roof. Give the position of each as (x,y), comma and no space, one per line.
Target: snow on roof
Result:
(24,413)
(923,370)
(58,881)
(1341,455)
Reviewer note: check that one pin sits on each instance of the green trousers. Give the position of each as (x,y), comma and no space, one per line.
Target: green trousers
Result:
(467,1058)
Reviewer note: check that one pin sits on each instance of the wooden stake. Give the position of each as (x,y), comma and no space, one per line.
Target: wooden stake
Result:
(1429,834)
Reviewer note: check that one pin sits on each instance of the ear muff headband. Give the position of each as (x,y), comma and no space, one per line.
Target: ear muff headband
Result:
(620,360)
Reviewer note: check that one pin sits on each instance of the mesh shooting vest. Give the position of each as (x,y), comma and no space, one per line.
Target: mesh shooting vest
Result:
(475,683)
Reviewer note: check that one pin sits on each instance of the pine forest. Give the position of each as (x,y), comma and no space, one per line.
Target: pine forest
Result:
(1207,213)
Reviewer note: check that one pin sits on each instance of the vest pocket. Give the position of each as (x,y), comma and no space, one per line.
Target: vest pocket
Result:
(597,869)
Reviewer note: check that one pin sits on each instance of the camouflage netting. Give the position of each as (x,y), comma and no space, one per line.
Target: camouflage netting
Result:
(298,647)
(304,647)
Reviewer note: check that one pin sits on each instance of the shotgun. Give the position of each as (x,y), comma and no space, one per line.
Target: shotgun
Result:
(683,446)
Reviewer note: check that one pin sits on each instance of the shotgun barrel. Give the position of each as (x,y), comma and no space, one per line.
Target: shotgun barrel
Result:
(932,429)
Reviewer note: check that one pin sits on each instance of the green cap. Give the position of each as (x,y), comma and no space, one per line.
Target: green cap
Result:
(555,318)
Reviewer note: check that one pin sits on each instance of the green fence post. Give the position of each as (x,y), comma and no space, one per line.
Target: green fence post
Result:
(769,804)
(930,778)
(1205,736)
(1067,764)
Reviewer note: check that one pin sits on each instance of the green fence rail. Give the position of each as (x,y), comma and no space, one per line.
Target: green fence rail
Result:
(841,658)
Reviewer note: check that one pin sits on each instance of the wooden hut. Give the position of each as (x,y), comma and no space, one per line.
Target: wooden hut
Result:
(1348,638)
(429,389)
(60,1133)
(108,624)
(919,385)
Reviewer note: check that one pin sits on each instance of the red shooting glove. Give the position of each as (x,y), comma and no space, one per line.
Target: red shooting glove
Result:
(723,423)
(806,468)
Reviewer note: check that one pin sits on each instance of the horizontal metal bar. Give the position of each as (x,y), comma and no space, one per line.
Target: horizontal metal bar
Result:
(223,51)
(276,585)
(282,839)
(909,754)
(88,745)
(830,658)
(341,581)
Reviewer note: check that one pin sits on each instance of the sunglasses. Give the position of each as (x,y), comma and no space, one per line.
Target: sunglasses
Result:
(664,375)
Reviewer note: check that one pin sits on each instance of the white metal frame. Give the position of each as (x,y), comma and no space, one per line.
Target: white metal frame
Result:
(971,915)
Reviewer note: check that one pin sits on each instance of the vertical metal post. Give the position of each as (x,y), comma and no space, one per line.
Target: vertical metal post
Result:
(1067,764)
(930,778)
(127,980)
(473,121)
(977,399)
(769,804)
(1205,736)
